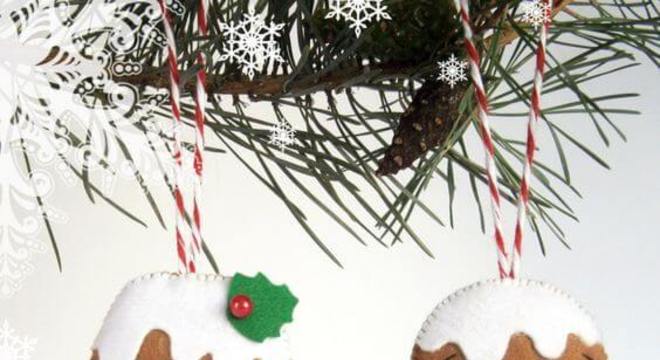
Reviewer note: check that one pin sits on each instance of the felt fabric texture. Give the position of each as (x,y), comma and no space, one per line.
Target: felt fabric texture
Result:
(273,306)
(520,347)
(191,310)
(482,318)
(156,346)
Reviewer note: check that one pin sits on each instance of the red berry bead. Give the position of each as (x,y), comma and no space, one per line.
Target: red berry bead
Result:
(241,306)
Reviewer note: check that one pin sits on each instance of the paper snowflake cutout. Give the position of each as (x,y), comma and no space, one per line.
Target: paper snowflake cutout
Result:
(251,43)
(282,135)
(452,71)
(14,347)
(358,12)
(536,12)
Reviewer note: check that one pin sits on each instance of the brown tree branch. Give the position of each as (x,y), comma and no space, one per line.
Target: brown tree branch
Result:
(279,85)
(283,86)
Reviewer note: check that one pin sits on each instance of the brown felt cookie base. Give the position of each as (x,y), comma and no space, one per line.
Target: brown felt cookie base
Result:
(156,346)
(521,347)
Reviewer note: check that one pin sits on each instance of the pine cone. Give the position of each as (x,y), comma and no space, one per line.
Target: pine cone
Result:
(426,124)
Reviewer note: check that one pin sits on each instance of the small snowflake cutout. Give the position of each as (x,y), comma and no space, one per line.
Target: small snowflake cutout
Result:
(452,71)
(536,12)
(282,135)
(251,43)
(358,12)
(14,347)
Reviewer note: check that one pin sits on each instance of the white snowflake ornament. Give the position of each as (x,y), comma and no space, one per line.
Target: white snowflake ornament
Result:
(536,12)
(452,71)
(251,43)
(282,135)
(14,347)
(358,12)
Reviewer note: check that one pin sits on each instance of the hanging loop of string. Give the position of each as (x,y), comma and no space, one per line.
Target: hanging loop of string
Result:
(484,126)
(182,244)
(533,119)
(188,247)
(509,266)
(200,116)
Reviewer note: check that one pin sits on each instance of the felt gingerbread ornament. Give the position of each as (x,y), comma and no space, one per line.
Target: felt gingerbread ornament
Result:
(185,315)
(509,318)
(169,316)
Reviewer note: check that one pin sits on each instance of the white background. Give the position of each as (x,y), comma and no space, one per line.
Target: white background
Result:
(374,307)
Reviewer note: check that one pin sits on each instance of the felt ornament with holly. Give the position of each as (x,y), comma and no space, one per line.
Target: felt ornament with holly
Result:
(170,316)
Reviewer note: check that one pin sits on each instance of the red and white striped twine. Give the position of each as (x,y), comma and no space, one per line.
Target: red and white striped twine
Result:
(482,99)
(507,267)
(181,241)
(534,116)
(188,248)
(200,116)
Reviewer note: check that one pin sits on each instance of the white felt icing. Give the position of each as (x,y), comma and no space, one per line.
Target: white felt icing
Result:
(191,309)
(481,319)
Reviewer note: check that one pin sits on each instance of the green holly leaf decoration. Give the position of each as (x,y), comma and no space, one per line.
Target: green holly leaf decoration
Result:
(272,306)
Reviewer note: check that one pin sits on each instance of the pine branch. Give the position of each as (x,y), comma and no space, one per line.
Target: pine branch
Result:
(341,139)
(281,86)
(431,117)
